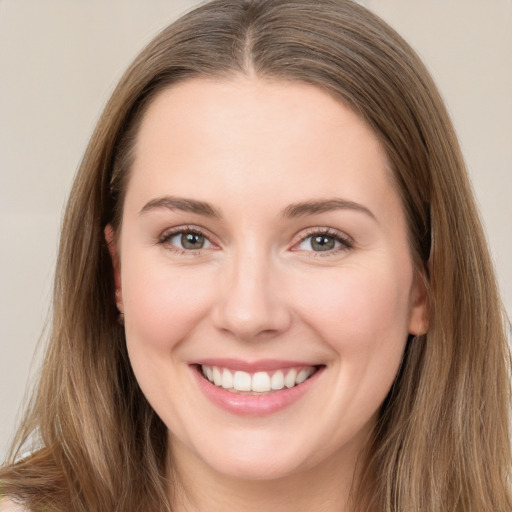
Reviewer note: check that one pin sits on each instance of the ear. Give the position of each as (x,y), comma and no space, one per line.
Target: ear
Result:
(114,255)
(420,311)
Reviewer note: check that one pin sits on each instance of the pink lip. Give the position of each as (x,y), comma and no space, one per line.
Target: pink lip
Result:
(254,405)
(260,365)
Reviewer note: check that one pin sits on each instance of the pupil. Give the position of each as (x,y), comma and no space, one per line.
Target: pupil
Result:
(322,243)
(192,240)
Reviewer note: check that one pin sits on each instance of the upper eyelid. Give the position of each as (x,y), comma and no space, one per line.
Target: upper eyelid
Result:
(303,235)
(298,238)
(170,232)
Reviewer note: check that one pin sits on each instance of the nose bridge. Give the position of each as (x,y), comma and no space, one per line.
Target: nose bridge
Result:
(252,305)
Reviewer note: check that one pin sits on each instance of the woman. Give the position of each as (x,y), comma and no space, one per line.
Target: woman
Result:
(273,290)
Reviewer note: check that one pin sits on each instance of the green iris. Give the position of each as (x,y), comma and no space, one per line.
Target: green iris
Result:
(192,241)
(322,243)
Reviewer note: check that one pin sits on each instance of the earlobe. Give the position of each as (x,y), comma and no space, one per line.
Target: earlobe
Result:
(114,255)
(420,311)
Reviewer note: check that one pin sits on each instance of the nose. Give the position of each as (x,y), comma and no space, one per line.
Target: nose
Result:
(252,303)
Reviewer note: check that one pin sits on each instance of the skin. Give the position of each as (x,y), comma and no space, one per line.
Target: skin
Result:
(7,505)
(257,289)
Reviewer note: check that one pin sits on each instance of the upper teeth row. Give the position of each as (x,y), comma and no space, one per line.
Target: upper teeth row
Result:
(259,381)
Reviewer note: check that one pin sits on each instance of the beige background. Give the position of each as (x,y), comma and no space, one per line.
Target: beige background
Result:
(59,60)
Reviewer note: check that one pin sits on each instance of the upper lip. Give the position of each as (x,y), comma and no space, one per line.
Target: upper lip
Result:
(252,366)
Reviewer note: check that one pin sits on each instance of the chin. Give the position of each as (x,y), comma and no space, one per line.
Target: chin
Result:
(258,468)
(247,458)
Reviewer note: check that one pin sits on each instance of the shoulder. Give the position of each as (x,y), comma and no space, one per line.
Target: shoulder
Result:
(6,505)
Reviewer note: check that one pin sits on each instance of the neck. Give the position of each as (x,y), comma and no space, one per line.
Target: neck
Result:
(328,487)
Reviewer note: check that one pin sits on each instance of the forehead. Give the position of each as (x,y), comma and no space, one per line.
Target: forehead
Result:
(251,106)
(252,138)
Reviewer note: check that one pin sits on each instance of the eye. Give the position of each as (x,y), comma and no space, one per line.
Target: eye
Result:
(186,240)
(324,241)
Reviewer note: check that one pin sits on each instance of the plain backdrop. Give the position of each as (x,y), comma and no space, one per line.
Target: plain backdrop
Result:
(59,61)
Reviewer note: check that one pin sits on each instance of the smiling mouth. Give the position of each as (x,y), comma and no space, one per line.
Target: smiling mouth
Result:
(257,383)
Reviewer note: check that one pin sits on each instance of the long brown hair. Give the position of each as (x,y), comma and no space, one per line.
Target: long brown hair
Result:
(442,443)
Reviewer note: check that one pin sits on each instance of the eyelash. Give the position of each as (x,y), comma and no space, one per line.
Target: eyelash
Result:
(346,243)
(165,238)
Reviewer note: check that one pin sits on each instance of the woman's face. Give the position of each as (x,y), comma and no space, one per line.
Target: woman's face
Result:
(263,242)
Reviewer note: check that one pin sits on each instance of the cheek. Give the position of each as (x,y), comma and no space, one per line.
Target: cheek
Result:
(363,316)
(162,303)
(359,302)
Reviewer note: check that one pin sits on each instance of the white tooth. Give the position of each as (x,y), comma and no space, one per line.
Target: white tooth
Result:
(261,382)
(242,381)
(217,377)
(302,376)
(207,372)
(277,381)
(289,380)
(227,379)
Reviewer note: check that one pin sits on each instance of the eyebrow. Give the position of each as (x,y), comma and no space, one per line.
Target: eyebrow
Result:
(301,209)
(321,206)
(181,204)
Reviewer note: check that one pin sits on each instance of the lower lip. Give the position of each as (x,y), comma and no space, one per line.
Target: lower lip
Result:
(254,405)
